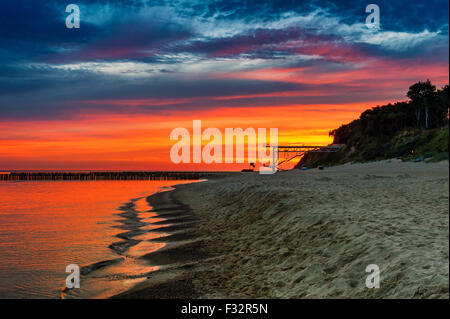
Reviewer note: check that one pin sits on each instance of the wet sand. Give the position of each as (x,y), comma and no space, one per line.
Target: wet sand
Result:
(306,234)
(180,255)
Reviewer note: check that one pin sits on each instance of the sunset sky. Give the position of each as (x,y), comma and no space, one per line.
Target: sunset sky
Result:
(107,95)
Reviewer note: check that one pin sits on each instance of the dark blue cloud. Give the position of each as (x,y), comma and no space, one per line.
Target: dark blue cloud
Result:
(35,29)
(167,34)
(399,15)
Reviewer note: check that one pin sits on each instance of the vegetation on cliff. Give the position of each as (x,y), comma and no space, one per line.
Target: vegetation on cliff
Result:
(413,129)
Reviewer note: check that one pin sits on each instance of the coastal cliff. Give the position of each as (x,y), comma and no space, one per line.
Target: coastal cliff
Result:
(421,145)
(416,129)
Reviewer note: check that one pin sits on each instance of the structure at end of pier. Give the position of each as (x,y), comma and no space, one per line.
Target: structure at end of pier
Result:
(290,152)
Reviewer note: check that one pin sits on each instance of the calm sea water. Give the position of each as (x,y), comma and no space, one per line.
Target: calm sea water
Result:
(47,225)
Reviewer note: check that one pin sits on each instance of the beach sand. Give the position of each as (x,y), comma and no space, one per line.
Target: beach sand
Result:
(308,234)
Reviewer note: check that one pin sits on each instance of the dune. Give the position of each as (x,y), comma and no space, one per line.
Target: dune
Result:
(306,234)
(311,234)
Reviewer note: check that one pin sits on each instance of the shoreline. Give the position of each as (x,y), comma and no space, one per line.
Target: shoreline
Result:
(141,234)
(308,234)
(177,258)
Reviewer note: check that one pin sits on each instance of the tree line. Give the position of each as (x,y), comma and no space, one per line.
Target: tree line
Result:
(426,108)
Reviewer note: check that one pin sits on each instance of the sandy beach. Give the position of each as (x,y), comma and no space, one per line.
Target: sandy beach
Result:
(306,234)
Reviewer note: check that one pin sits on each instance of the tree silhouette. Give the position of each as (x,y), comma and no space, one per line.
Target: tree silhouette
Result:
(387,120)
(422,95)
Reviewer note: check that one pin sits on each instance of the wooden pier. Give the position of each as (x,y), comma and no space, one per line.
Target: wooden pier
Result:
(99,176)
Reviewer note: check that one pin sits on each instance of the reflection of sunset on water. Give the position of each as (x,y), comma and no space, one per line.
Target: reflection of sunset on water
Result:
(45,226)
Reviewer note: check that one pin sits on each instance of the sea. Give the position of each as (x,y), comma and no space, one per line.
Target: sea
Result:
(45,226)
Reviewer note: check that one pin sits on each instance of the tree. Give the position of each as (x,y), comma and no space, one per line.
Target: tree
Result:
(383,122)
(443,105)
(422,95)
